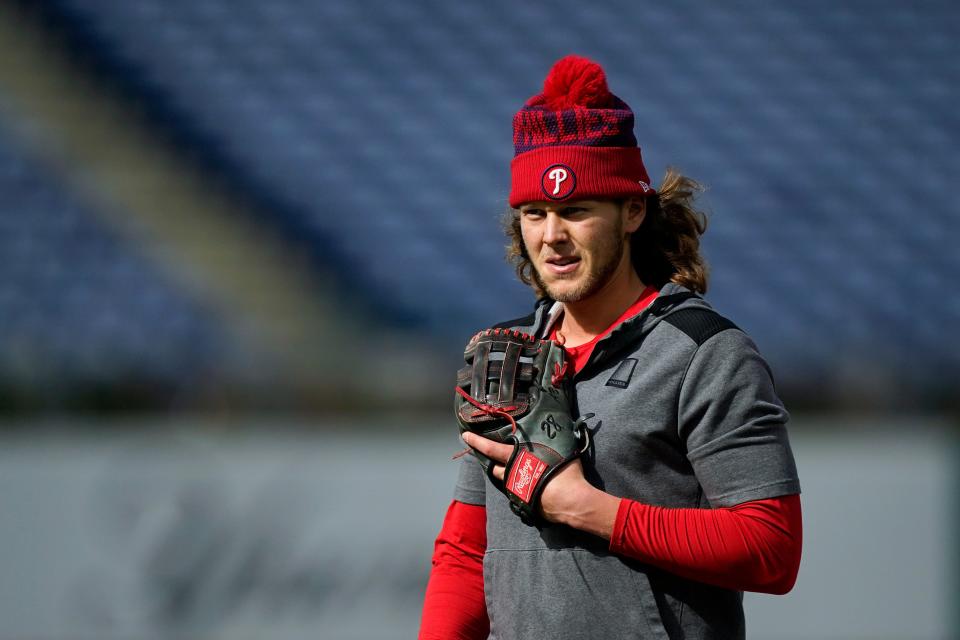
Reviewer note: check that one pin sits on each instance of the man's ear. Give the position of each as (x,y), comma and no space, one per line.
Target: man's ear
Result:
(636,211)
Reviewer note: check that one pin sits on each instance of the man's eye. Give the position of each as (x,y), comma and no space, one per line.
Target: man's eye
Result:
(532,212)
(572,211)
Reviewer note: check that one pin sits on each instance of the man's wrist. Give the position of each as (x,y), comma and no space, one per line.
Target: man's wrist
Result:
(593,511)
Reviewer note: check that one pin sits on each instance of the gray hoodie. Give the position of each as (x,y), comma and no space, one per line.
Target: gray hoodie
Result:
(686,415)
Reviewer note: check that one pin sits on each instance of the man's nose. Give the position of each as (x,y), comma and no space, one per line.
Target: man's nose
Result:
(554,231)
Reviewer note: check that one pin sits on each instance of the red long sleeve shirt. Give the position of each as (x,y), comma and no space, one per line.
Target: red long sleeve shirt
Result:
(454,605)
(753,546)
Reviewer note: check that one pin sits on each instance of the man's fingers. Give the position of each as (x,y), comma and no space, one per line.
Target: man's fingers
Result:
(498,472)
(493,450)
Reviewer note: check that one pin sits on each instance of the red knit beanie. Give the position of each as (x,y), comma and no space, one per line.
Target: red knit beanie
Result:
(575,140)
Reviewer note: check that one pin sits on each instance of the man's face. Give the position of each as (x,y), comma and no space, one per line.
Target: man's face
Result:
(577,247)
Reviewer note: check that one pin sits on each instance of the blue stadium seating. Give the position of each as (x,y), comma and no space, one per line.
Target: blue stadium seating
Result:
(77,305)
(379,134)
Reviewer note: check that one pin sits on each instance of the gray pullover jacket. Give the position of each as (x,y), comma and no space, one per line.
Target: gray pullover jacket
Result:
(685,416)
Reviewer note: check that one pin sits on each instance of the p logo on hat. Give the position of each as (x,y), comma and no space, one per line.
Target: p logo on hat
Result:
(575,122)
(558,181)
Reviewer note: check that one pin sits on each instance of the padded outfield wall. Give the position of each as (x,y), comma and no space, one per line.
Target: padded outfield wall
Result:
(289,531)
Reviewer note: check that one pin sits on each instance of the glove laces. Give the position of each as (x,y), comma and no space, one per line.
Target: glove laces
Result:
(559,371)
(490,410)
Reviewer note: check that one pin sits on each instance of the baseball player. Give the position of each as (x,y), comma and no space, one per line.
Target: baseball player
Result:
(676,489)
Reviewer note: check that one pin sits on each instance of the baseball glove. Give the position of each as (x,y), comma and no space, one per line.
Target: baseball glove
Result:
(515,390)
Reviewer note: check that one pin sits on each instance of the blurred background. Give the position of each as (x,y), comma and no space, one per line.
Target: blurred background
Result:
(244,242)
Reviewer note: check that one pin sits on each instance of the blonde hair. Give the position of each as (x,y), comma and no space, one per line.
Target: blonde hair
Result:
(666,247)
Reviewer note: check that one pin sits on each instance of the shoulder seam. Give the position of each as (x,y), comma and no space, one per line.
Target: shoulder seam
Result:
(699,329)
(699,324)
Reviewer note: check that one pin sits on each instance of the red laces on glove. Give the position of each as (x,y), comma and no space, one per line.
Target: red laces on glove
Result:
(488,409)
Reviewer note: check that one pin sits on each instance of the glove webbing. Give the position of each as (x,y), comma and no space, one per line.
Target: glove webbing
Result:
(489,410)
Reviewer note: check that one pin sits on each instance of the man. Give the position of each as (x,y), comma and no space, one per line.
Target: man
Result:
(689,495)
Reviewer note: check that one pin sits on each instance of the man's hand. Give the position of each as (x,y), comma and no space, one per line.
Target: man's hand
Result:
(567,498)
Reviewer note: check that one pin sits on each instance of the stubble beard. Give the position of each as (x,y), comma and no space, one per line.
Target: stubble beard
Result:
(593,282)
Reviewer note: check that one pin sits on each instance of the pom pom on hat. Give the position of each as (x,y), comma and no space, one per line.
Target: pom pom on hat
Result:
(574,81)
(575,140)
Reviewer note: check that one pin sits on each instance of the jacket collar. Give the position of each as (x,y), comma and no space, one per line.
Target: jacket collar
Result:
(671,298)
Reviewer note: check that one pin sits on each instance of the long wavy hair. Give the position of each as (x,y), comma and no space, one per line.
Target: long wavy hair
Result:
(666,247)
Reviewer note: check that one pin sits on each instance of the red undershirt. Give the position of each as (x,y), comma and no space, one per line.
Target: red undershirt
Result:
(753,546)
(581,353)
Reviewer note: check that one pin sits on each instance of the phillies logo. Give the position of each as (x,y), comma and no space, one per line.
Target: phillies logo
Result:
(558,181)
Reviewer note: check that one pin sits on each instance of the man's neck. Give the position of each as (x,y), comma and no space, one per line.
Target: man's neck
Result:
(586,319)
